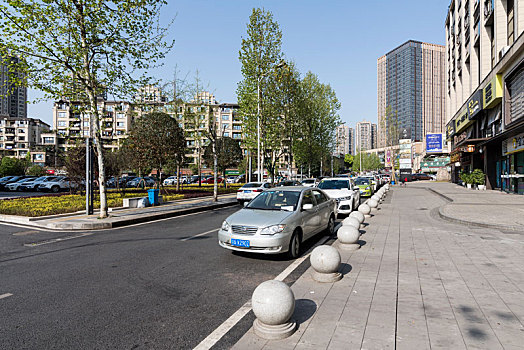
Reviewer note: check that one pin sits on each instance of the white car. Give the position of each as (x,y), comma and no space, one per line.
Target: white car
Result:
(251,190)
(309,182)
(57,185)
(344,191)
(231,179)
(14,186)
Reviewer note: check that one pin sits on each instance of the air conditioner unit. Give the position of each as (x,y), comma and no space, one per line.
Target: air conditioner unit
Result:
(503,51)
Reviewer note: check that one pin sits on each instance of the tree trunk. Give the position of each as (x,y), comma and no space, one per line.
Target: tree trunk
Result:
(95,128)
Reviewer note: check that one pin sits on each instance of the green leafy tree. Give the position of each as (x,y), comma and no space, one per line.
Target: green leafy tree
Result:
(228,151)
(370,161)
(11,166)
(348,160)
(36,170)
(260,54)
(82,49)
(156,138)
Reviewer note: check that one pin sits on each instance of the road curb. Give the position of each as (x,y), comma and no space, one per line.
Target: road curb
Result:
(466,222)
(126,222)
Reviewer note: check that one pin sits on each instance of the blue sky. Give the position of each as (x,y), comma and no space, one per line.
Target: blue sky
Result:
(339,40)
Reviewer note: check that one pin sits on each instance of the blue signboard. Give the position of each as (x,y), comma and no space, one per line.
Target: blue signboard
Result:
(434,143)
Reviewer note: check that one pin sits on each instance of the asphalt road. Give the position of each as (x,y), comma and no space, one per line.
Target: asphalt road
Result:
(140,287)
(15,194)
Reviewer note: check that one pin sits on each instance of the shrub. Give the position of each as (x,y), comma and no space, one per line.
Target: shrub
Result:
(478,177)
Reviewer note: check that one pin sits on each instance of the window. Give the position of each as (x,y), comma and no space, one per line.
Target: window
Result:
(237,127)
(21,131)
(120,124)
(62,115)
(120,115)
(86,132)
(320,198)
(225,116)
(226,134)
(61,123)
(21,138)
(86,124)
(225,126)
(237,135)
(49,140)
(109,108)
(307,198)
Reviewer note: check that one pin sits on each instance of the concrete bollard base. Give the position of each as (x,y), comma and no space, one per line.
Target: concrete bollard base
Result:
(326,277)
(274,332)
(349,246)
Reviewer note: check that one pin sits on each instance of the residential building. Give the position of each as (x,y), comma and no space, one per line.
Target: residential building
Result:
(345,140)
(411,91)
(72,123)
(18,136)
(13,99)
(485,90)
(365,136)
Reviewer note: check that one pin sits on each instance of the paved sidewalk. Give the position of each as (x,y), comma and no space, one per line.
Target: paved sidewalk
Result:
(493,209)
(419,282)
(123,217)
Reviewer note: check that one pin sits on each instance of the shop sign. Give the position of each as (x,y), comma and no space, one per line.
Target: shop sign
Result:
(405,133)
(232,172)
(450,130)
(434,143)
(513,144)
(459,138)
(492,93)
(455,158)
(474,105)
(462,120)
(470,148)
(388,159)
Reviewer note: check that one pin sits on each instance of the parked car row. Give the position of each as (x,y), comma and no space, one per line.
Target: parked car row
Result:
(33,183)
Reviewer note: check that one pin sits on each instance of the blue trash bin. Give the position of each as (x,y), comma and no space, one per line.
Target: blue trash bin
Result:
(152,196)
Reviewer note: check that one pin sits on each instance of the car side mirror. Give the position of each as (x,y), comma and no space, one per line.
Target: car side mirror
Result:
(307,206)
(245,204)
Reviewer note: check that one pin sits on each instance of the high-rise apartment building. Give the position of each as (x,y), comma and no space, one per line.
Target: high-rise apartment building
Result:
(411,91)
(485,90)
(345,140)
(365,136)
(13,99)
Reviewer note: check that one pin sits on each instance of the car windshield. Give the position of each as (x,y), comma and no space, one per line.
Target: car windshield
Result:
(41,178)
(252,184)
(27,179)
(308,181)
(361,181)
(333,184)
(5,178)
(275,200)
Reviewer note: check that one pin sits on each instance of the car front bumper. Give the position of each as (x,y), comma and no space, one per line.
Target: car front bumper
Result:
(263,244)
(344,207)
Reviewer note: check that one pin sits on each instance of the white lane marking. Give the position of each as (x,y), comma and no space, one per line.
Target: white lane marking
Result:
(218,333)
(56,240)
(5,295)
(225,327)
(200,234)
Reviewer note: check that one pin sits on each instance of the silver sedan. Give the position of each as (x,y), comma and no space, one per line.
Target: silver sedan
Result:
(278,220)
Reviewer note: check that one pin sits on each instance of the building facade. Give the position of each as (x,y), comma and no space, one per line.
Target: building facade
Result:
(18,136)
(72,123)
(485,90)
(411,91)
(13,99)
(345,140)
(365,136)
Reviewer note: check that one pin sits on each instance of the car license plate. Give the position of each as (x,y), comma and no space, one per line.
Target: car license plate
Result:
(240,243)
(248,191)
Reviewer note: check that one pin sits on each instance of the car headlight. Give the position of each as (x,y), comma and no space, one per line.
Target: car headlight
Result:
(271,230)
(225,226)
(367,188)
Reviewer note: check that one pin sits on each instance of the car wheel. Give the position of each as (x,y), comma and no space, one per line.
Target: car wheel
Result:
(55,189)
(295,245)
(330,231)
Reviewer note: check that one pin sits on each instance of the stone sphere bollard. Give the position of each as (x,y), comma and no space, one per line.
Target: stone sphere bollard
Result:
(365,209)
(373,204)
(325,261)
(375,197)
(273,304)
(351,221)
(348,237)
(358,215)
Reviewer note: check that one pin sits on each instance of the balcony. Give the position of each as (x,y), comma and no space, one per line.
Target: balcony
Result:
(476,40)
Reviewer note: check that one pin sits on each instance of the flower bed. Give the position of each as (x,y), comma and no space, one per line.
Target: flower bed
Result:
(50,204)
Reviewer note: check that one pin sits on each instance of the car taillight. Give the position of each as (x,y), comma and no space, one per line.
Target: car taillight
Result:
(240,191)
(258,190)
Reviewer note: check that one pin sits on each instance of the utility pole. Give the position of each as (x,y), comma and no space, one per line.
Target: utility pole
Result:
(89,177)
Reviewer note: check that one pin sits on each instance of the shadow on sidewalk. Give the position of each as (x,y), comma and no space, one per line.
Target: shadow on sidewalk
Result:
(304,310)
